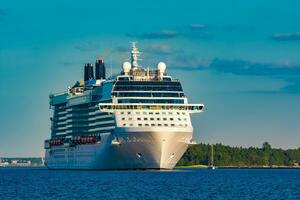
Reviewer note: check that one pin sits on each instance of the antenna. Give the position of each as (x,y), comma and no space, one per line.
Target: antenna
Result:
(134,54)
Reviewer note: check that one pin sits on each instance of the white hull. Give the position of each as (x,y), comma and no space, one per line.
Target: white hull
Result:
(136,148)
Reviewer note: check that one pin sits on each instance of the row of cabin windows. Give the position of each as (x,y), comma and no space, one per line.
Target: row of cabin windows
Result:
(148,94)
(151,118)
(148,88)
(152,113)
(172,125)
(145,83)
(177,101)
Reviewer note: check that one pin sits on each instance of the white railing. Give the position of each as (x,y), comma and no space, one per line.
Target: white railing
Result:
(113,107)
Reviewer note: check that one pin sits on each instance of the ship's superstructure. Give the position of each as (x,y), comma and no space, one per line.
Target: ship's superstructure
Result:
(139,119)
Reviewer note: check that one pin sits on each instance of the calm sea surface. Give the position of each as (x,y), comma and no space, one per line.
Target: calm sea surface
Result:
(33,183)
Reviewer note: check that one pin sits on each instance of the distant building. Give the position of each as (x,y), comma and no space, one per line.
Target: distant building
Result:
(14,162)
(3,163)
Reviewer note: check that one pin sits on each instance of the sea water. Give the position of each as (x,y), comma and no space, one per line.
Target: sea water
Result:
(40,183)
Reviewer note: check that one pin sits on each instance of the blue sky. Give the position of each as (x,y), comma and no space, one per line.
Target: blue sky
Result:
(241,59)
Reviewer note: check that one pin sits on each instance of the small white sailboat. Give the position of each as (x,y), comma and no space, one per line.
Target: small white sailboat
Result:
(212,166)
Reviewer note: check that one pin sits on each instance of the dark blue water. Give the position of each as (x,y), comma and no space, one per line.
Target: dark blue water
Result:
(31,183)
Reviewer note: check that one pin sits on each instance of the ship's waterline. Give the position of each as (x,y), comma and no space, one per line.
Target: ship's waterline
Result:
(139,119)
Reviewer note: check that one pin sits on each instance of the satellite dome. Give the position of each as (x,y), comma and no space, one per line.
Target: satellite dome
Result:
(161,66)
(126,67)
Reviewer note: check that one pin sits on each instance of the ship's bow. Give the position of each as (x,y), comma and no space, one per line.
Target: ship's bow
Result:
(152,148)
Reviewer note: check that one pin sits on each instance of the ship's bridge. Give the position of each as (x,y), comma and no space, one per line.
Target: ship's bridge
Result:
(130,91)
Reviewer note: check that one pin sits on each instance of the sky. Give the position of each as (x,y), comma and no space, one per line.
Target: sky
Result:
(240,58)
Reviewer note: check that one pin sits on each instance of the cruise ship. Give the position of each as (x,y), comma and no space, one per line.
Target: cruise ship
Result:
(138,119)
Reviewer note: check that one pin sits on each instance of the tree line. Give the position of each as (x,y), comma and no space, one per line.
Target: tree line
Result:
(200,154)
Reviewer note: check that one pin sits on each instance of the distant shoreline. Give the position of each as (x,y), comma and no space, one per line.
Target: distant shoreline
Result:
(183,167)
(239,167)
(21,166)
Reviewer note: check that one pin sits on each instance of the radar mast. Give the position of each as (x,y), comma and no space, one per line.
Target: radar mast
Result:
(135,53)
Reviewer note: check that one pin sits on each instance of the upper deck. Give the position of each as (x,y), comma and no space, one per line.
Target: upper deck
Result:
(134,84)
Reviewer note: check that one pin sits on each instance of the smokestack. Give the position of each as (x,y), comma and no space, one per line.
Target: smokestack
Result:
(100,69)
(88,72)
